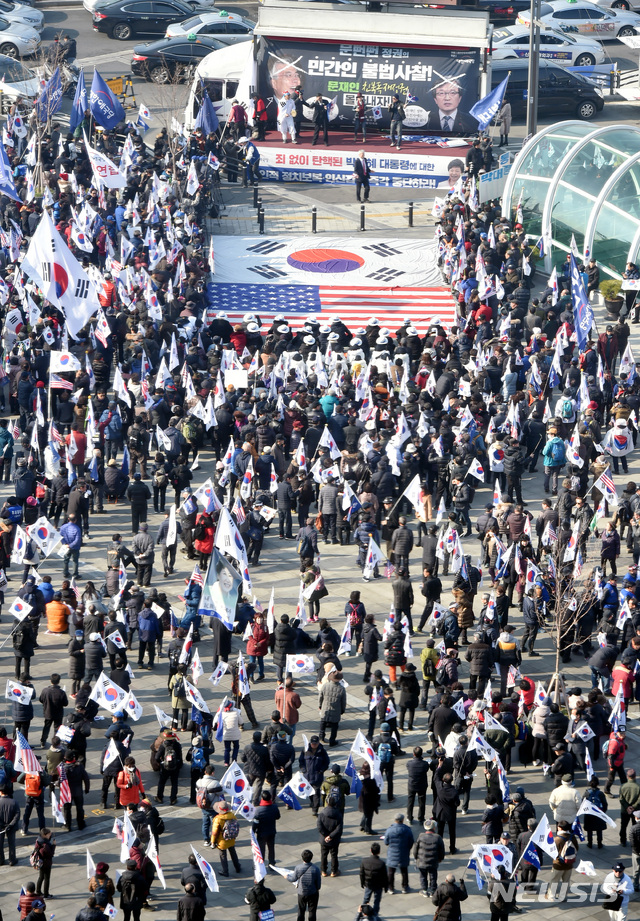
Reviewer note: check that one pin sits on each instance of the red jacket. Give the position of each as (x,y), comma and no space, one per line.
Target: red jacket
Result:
(621,675)
(258,642)
(205,544)
(615,751)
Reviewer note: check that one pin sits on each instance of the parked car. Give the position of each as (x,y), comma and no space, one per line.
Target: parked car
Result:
(559,90)
(172,59)
(17,79)
(500,11)
(90,5)
(566,50)
(125,19)
(228,27)
(18,39)
(585,19)
(20,12)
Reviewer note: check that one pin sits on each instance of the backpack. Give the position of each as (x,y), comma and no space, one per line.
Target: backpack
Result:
(354,620)
(231,830)
(35,859)
(101,895)
(160,477)
(32,785)
(170,760)
(3,775)
(305,547)
(567,410)
(568,854)
(198,759)
(135,440)
(441,675)
(178,688)
(202,798)
(189,431)
(557,452)
(128,890)
(384,753)
(174,657)
(200,531)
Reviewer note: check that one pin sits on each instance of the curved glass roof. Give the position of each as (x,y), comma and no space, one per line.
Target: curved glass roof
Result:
(581,181)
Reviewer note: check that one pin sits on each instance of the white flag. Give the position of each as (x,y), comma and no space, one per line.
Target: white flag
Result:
(61,362)
(587,808)
(196,667)
(110,756)
(20,608)
(300,665)
(91,867)
(163,718)
(196,698)
(132,707)
(56,811)
(50,263)
(108,694)
(476,470)
(220,670)
(586,868)
(105,172)
(234,782)
(543,838)
(18,693)
(152,854)
(207,871)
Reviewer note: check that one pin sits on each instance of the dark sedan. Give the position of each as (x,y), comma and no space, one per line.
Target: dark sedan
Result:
(125,19)
(172,59)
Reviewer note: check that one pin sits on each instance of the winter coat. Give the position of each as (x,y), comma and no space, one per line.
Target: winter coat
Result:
(314,764)
(258,642)
(447,898)
(370,639)
(417,775)
(565,801)
(332,701)
(555,726)
(256,758)
(394,648)
(537,720)
(143,548)
(428,851)
(399,841)
(131,787)
(409,690)
(610,548)
(231,725)
(283,643)
(446,800)
(330,824)
(480,658)
(217,829)
(288,703)
(402,541)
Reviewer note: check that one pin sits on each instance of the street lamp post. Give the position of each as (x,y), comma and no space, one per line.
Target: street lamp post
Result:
(534,68)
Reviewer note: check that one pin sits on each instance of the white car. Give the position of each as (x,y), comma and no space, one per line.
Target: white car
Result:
(585,19)
(618,4)
(227,27)
(564,49)
(18,80)
(20,12)
(17,39)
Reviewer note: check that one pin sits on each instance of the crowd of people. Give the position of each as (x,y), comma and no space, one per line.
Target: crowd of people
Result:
(381,447)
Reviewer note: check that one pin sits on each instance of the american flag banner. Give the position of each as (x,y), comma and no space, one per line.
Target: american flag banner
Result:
(65,790)
(345,278)
(259,869)
(25,755)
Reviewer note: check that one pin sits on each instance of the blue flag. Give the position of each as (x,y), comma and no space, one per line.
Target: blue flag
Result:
(540,245)
(7,185)
(288,796)
(93,470)
(352,773)
(485,109)
(576,828)
(80,103)
(105,107)
(582,312)
(125,461)
(50,98)
(207,118)
(531,855)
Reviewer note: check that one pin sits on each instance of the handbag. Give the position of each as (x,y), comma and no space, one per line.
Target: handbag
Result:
(319,521)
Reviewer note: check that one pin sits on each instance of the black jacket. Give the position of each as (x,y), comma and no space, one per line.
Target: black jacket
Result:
(190,908)
(428,851)
(555,727)
(373,874)
(257,760)
(330,824)
(480,658)
(53,700)
(283,644)
(417,775)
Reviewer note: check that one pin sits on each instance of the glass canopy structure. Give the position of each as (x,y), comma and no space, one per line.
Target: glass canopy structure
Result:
(582,181)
